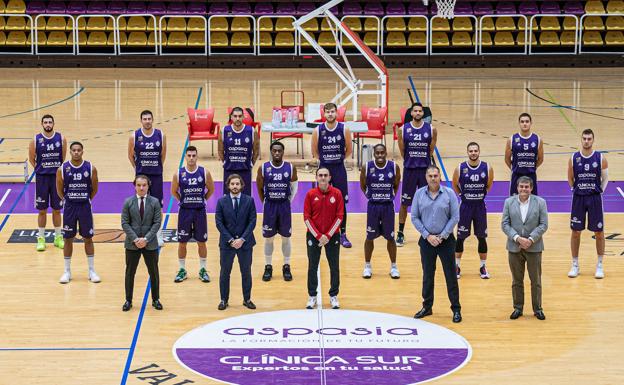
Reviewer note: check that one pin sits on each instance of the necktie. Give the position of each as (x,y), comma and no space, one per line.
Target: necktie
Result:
(142,207)
(236,205)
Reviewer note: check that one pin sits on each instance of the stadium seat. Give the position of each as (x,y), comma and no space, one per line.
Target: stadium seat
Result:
(2,38)
(592,38)
(573,8)
(265,39)
(520,38)
(504,39)
(196,24)
(2,24)
(417,39)
(42,39)
(549,39)
(241,8)
(218,8)
(136,7)
(594,6)
(615,23)
(15,6)
(462,24)
(370,39)
(505,23)
(396,39)
(439,39)
(176,8)
(176,39)
(549,23)
(196,39)
(82,38)
(440,24)
(241,24)
(311,25)
(487,24)
(92,24)
(175,24)
(240,39)
(284,40)
(137,39)
(481,8)
(94,39)
(486,39)
(151,39)
(16,38)
(371,24)
(395,24)
(123,38)
(156,8)
(58,39)
(417,24)
(550,7)
(353,23)
(58,23)
(219,39)
(568,38)
(136,23)
(593,23)
(96,7)
(461,39)
(201,125)
(534,27)
(17,24)
(395,8)
(325,25)
(505,8)
(326,39)
(2,9)
(615,6)
(263,9)
(265,25)
(528,8)
(569,24)
(117,7)
(196,9)
(376,119)
(614,38)
(284,24)
(218,24)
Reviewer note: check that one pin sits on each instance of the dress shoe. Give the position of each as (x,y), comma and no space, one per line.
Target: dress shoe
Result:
(516,314)
(540,315)
(457,318)
(423,313)
(157,305)
(222,305)
(249,305)
(127,306)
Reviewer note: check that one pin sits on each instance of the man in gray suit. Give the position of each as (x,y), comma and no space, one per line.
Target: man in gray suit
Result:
(140,220)
(525,220)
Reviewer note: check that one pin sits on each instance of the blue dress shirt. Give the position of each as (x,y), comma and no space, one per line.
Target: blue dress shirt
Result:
(437,216)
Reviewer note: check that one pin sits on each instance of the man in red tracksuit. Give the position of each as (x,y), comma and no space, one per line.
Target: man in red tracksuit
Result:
(323,212)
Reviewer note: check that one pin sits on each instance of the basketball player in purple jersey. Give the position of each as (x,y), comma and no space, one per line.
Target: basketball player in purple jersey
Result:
(331,145)
(471,181)
(238,149)
(588,175)
(77,184)
(524,153)
(147,150)
(192,185)
(379,181)
(277,186)
(417,140)
(46,153)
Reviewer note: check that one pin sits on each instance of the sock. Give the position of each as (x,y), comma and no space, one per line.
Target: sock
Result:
(67,263)
(482,263)
(41,232)
(393,265)
(268,250)
(90,262)
(457,260)
(58,232)
(367,264)
(286,250)
(401,227)
(600,259)
(182,263)
(202,263)
(575,261)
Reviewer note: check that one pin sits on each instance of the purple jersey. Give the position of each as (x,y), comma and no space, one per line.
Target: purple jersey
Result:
(524,153)
(331,144)
(238,148)
(587,173)
(148,152)
(276,181)
(77,183)
(417,143)
(192,187)
(49,153)
(473,181)
(380,182)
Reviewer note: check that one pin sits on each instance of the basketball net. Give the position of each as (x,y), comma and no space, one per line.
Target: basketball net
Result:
(446,8)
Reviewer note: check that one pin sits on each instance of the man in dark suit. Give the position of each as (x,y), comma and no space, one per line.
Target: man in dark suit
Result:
(140,220)
(236,220)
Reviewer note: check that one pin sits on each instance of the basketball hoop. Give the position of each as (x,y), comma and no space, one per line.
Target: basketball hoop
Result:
(445,8)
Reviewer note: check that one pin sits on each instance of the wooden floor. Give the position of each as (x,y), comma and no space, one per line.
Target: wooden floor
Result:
(77,334)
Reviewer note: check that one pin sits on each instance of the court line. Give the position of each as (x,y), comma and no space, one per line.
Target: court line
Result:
(1,140)
(568,107)
(57,349)
(137,328)
(620,191)
(6,194)
(16,201)
(45,106)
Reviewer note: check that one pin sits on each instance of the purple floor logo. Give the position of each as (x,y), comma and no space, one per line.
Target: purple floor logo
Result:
(304,347)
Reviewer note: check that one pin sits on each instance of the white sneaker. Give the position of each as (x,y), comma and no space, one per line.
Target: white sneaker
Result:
(311,303)
(368,272)
(574,271)
(93,277)
(334,302)
(599,272)
(66,277)
(394,273)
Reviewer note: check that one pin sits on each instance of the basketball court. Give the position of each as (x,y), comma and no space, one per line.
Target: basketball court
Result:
(77,333)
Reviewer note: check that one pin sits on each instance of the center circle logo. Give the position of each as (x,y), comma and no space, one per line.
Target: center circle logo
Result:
(302,347)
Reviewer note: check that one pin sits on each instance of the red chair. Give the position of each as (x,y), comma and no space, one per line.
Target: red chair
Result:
(201,125)
(395,127)
(376,119)
(248,120)
(285,135)
(340,114)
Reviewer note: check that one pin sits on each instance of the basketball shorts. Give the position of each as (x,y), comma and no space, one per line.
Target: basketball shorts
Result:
(413,179)
(45,192)
(380,220)
(276,219)
(475,214)
(77,216)
(587,207)
(192,223)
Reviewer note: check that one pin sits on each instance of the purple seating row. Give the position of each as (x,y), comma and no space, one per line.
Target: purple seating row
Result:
(374,8)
